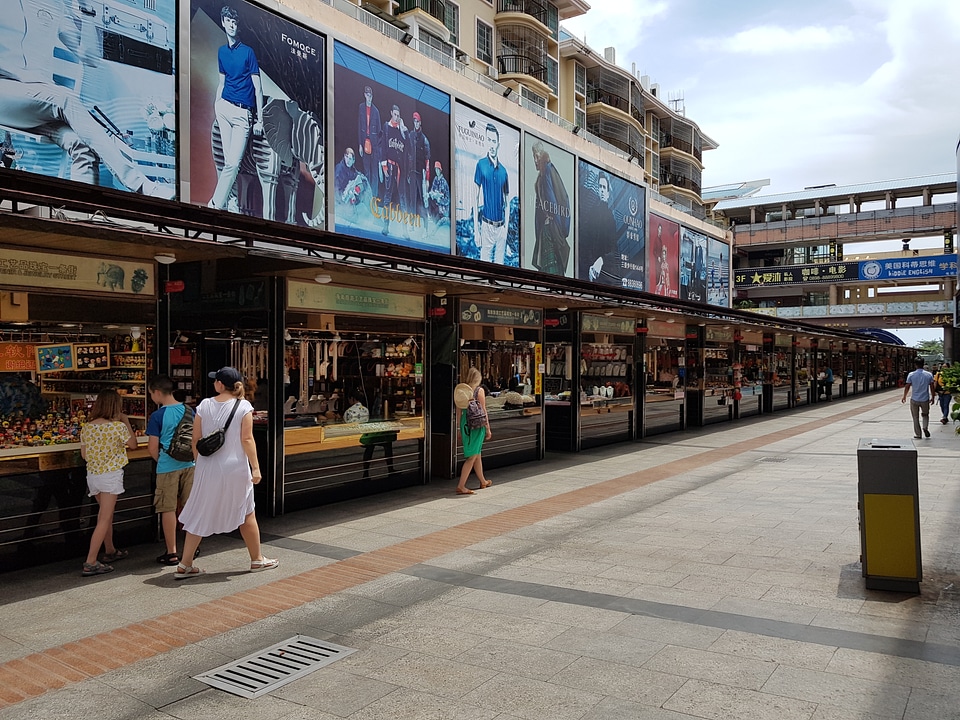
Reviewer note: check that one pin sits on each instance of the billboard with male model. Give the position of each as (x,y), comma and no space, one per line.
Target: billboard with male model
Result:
(610,222)
(391,137)
(488,187)
(663,258)
(87,92)
(256,113)
(718,273)
(548,184)
(693,265)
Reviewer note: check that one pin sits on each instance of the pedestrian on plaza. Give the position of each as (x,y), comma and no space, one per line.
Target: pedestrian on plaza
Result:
(174,477)
(222,495)
(104,441)
(920,386)
(943,395)
(473,438)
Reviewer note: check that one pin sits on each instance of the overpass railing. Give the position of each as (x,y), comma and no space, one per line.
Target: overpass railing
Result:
(876,309)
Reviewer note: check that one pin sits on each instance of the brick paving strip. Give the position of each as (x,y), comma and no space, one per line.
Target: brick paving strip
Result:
(41,672)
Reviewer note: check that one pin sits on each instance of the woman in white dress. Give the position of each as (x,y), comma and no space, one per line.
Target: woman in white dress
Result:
(222,495)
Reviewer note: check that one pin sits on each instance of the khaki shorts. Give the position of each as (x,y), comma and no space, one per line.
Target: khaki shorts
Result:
(173,489)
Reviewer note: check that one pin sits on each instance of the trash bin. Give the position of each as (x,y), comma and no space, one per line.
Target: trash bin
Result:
(889,505)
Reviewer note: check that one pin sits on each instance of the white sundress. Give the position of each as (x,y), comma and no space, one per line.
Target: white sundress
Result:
(222,494)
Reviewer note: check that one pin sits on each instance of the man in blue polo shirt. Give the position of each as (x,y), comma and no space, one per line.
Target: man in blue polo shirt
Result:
(174,478)
(919,385)
(489,213)
(238,95)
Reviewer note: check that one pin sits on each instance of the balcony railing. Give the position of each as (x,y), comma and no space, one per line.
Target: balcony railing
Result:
(668,140)
(434,8)
(527,7)
(522,65)
(608,98)
(680,181)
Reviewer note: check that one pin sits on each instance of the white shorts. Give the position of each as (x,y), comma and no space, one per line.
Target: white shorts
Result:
(109,482)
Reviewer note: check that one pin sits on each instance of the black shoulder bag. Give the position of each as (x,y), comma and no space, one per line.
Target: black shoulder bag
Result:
(209,444)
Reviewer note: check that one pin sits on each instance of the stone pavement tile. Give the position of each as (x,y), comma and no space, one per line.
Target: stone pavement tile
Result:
(369,656)
(827,600)
(509,546)
(10,649)
(497,602)
(532,699)
(401,590)
(621,681)
(411,528)
(436,676)
(611,708)
(517,659)
(86,700)
(672,596)
(926,703)
(366,540)
(439,642)
(468,560)
(494,625)
(722,702)
(166,678)
(898,670)
(332,691)
(405,704)
(879,697)
(766,610)
(779,650)
(829,712)
(639,576)
(577,616)
(298,712)
(855,622)
(724,587)
(712,666)
(668,631)
(570,560)
(639,560)
(246,639)
(605,646)
(774,573)
(341,613)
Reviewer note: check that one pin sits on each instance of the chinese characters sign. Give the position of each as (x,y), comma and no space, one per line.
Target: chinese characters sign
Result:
(913,268)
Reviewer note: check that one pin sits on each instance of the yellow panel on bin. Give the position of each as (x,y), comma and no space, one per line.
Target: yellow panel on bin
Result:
(891,536)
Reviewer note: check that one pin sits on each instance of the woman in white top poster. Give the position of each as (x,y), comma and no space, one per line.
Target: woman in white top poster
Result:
(222,495)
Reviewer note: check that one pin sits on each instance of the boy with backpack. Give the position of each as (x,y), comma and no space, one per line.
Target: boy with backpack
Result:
(170,434)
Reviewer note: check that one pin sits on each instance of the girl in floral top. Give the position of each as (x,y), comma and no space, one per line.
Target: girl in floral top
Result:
(104,440)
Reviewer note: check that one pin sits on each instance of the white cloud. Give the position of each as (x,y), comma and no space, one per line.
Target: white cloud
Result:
(770,39)
(608,23)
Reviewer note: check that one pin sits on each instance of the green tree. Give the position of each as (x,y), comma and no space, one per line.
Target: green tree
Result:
(930,347)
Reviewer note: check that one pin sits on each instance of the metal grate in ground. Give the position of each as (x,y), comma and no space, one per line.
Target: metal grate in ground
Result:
(773,459)
(277,665)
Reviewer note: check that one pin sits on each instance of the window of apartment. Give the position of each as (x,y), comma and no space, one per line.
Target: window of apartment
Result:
(484,42)
(553,20)
(533,97)
(434,41)
(553,75)
(579,79)
(579,116)
(818,298)
(452,20)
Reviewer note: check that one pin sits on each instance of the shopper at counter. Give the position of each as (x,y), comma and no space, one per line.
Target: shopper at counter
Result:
(104,440)
(473,439)
(222,495)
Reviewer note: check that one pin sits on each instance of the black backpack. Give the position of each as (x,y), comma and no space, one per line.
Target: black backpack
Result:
(181,444)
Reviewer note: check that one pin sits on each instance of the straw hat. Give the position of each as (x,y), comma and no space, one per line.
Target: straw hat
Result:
(462,395)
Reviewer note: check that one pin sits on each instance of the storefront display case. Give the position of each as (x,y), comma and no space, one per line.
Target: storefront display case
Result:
(748,373)
(665,377)
(560,391)
(606,377)
(782,375)
(718,374)
(353,392)
(505,344)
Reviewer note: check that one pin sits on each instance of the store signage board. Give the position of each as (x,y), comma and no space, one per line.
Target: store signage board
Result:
(719,335)
(906,268)
(310,296)
(781,340)
(74,272)
(92,356)
(17,357)
(482,314)
(53,358)
(173,286)
(663,329)
(604,324)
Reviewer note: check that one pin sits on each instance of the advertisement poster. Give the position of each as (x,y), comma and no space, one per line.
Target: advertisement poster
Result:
(87,92)
(610,217)
(664,257)
(488,188)
(718,274)
(548,184)
(392,154)
(693,265)
(256,113)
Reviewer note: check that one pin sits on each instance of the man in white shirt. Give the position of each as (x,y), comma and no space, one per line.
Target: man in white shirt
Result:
(920,386)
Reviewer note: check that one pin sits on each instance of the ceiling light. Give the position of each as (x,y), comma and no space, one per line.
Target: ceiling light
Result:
(135,333)
(671,320)
(322,278)
(110,327)
(651,317)
(439,292)
(165,258)
(562,308)
(495,299)
(608,313)
(68,325)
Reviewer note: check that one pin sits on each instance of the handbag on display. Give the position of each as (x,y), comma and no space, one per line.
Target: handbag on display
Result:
(210,443)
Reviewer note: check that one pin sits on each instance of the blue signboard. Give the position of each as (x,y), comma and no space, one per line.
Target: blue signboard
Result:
(914,268)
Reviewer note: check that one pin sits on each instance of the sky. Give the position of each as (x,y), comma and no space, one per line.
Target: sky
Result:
(802,93)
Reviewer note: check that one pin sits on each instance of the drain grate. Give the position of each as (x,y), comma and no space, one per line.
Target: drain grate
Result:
(279,664)
(773,459)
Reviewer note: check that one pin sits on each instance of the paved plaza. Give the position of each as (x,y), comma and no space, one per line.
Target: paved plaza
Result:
(707,574)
